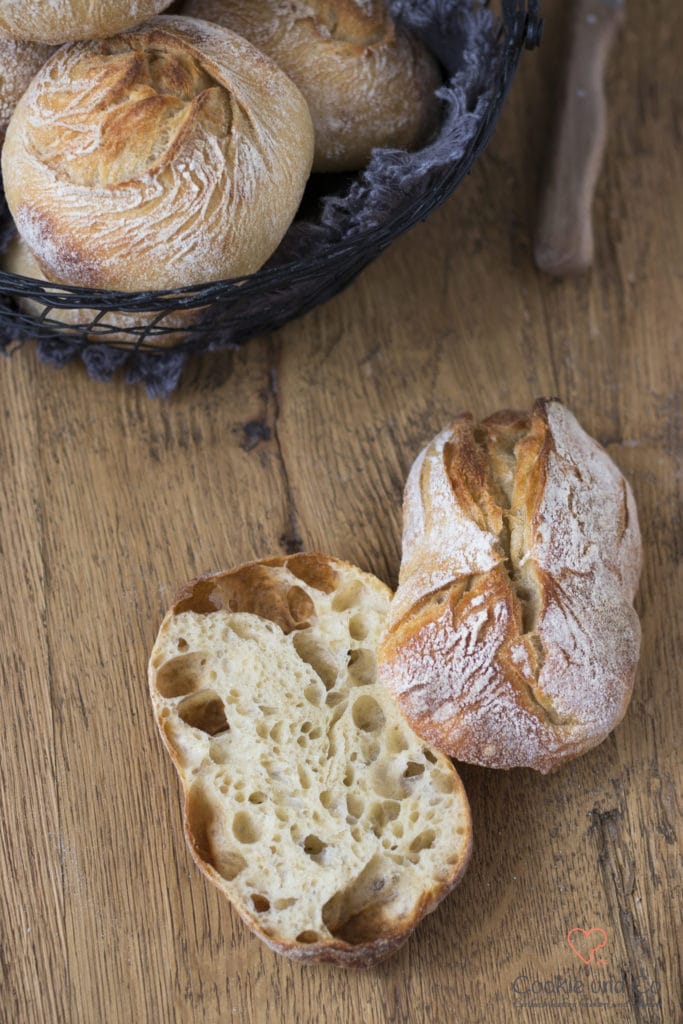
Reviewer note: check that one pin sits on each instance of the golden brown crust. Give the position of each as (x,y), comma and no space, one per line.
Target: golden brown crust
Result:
(179,156)
(369,936)
(368,84)
(512,638)
(61,21)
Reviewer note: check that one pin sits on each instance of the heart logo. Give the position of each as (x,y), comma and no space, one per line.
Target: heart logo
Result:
(582,941)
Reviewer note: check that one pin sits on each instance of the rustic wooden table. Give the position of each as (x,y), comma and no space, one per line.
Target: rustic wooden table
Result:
(303,440)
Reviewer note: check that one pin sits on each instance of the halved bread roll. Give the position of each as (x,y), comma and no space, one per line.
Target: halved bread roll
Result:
(512,639)
(308,801)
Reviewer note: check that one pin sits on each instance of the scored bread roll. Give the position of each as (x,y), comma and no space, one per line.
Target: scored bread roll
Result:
(18,259)
(512,639)
(61,21)
(368,82)
(309,802)
(18,64)
(164,157)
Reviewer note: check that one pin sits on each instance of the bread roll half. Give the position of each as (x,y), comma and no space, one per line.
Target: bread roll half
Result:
(168,156)
(61,21)
(309,802)
(368,83)
(512,639)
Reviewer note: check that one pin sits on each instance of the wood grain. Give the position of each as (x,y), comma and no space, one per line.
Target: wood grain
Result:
(303,439)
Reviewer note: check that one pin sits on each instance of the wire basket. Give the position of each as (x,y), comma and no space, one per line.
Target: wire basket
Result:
(353,218)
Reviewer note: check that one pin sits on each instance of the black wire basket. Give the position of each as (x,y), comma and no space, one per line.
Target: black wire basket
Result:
(344,223)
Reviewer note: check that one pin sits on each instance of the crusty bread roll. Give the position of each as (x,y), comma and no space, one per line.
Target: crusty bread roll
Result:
(61,21)
(18,64)
(309,802)
(512,639)
(368,83)
(18,259)
(168,156)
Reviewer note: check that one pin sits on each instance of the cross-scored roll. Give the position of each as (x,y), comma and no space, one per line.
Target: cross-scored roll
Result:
(168,156)
(512,639)
(308,800)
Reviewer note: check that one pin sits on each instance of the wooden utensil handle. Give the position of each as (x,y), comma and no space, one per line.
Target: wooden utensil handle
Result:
(564,233)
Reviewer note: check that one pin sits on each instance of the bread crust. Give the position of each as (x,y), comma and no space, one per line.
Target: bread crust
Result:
(120,327)
(256,589)
(19,62)
(512,640)
(368,83)
(61,21)
(179,156)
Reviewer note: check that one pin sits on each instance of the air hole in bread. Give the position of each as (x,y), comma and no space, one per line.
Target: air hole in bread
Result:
(348,777)
(347,596)
(313,571)
(261,903)
(358,627)
(362,667)
(180,676)
(315,654)
(284,904)
(355,805)
(413,769)
(423,841)
(182,644)
(396,741)
(442,782)
(219,749)
(304,776)
(308,937)
(355,914)
(386,784)
(327,799)
(277,732)
(229,864)
(369,749)
(313,695)
(300,606)
(314,847)
(244,829)
(315,733)
(428,755)
(334,698)
(367,714)
(204,711)
(257,797)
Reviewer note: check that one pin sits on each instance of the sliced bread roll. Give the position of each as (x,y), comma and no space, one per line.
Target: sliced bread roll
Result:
(309,801)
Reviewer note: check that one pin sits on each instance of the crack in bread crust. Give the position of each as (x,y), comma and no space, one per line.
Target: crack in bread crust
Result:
(512,639)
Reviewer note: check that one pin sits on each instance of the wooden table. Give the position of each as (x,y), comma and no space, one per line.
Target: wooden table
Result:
(303,440)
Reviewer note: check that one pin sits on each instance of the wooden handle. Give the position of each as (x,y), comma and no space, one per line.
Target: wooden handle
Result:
(564,233)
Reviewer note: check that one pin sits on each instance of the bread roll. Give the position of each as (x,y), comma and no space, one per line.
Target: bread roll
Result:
(18,64)
(18,259)
(311,805)
(61,21)
(168,156)
(368,83)
(512,639)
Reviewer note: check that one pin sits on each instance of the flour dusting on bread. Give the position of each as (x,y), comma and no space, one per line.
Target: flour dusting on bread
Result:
(519,649)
